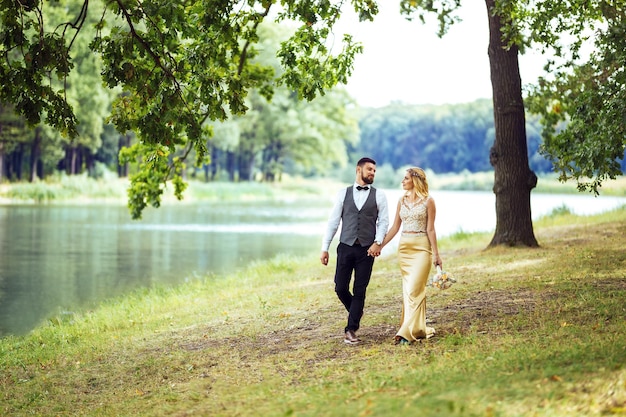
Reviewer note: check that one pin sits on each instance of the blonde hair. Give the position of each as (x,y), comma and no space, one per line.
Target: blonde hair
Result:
(420,184)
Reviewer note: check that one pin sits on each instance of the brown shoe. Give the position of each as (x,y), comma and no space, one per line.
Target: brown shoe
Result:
(351,338)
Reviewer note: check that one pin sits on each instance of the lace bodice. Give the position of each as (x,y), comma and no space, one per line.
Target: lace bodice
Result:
(414,215)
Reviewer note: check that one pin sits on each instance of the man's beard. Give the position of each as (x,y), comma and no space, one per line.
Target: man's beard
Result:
(366,180)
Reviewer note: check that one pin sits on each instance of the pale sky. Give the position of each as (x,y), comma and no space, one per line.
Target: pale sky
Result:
(405,61)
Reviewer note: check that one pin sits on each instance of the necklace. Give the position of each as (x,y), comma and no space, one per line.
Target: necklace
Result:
(411,202)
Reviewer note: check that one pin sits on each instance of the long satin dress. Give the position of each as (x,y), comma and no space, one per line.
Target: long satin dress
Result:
(415,258)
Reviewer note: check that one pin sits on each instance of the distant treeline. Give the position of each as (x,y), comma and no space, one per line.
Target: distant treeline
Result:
(443,138)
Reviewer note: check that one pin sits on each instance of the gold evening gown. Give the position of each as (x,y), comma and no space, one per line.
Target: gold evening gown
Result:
(415,258)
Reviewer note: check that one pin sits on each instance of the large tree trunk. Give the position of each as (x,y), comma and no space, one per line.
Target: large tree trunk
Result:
(513,178)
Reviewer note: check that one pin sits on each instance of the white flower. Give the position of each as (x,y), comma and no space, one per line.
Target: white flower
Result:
(441,279)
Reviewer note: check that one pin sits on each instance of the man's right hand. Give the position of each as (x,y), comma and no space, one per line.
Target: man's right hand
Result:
(324,257)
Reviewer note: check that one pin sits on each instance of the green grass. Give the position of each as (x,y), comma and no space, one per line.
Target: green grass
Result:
(82,189)
(546,183)
(524,332)
(64,188)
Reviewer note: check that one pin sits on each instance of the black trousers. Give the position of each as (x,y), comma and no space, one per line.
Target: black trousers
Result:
(353,258)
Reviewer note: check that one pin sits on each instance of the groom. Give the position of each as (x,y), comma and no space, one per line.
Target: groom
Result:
(362,211)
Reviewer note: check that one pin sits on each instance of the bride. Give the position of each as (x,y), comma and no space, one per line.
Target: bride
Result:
(416,250)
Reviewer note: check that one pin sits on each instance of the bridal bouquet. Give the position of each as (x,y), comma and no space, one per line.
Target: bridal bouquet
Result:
(441,279)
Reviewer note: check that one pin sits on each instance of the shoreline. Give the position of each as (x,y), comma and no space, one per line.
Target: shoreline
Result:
(268,340)
(84,190)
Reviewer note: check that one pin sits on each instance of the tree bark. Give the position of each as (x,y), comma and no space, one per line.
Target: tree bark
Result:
(513,178)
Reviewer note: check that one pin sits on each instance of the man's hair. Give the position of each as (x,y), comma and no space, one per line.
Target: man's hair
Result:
(364,161)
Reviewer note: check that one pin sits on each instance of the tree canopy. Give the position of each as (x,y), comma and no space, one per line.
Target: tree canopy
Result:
(180,69)
(587,93)
(180,66)
(582,98)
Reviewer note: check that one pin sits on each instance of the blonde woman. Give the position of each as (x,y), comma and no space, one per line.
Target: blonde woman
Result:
(416,250)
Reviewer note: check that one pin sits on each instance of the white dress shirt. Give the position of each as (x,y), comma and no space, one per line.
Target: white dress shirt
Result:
(360,196)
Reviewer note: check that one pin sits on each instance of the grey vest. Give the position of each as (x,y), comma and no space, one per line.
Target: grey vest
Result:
(359,224)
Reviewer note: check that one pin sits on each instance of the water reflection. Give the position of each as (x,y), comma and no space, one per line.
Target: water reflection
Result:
(63,257)
(54,258)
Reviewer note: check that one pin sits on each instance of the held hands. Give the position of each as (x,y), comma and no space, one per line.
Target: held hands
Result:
(374,250)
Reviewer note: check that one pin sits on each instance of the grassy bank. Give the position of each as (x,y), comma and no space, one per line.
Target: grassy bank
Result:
(547,183)
(524,332)
(81,189)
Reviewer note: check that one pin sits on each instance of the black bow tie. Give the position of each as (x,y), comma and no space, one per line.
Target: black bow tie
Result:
(358,187)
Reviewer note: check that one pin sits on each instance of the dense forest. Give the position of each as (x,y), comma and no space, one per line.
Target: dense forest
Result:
(445,138)
(278,133)
(287,136)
